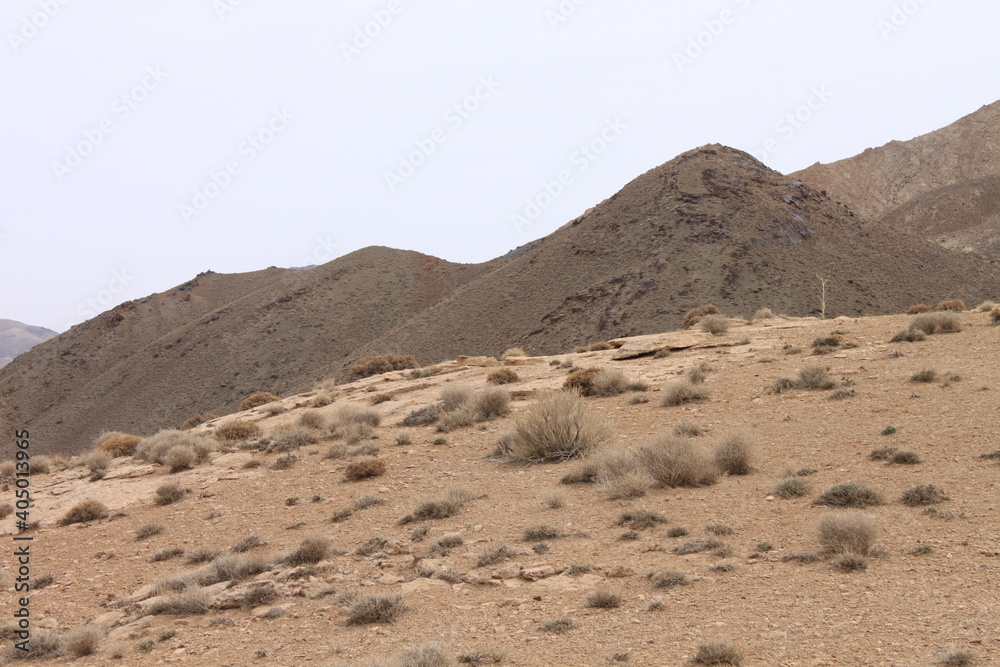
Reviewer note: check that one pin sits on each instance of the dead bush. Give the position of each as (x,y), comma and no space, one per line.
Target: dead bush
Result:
(455,397)
(791,487)
(995,316)
(848,532)
(669,579)
(95,461)
(168,493)
(188,603)
(428,654)
(503,376)
(934,323)
(312,419)
(619,474)
(954,305)
(311,550)
(557,428)
(918,309)
(495,554)
(381,609)
(376,364)
(492,403)
(909,336)
(849,494)
(674,461)
(714,324)
(180,457)
(763,314)
(922,495)
(87,510)
(581,381)
(680,392)
(925,376)
(449,505)
(257,399)
(148,530)
(640,519)
(83,641)
(154,448)
(513,352)
(118,444)
(605,598)
(718,653)
(694,316)
(422,417)
(734,453)
(290,438)
(364,468)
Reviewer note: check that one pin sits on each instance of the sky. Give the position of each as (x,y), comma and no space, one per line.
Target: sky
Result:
(146,141)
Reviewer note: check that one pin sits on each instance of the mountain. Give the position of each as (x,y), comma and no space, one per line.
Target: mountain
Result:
(17,337)
(713,225)
(941,186)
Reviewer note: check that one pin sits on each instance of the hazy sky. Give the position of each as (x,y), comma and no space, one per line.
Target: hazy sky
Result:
(144,141)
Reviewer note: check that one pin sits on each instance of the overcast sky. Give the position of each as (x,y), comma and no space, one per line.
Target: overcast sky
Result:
(145,141)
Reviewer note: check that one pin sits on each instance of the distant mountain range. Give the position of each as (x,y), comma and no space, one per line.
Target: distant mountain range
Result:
(943,186)
(17,338)
(713,225)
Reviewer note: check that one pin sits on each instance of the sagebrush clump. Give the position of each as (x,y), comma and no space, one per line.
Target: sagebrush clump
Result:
(848,532)
(675,461)
(376,364)
(87,510)
(257,399)
(557,428)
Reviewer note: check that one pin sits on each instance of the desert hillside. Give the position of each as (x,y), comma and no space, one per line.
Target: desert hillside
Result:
(17,338)
(939,186)
(205,345)
(704,518)
(711,226)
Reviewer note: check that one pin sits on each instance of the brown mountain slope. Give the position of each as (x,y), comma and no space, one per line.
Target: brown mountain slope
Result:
(17,338)
(205,345)
(880,180)
(713,225)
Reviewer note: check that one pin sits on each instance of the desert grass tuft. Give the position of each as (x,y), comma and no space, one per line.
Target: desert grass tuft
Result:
(673,461)
(923,495)
(791,487)
(714,324)
(847,532)
(381,609)
(849,494)
(558,626)
(734,453)
(376,364)
(934,323)
(364,468)
(83,512)
(311,550)
(669,579)
(503,376)
(604,598)
(695,315)
(495,554)
(682,391)
(148,530)
(557,428)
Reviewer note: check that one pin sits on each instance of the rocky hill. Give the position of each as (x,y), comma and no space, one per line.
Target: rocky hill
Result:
(17,337)
(711,226)
(940,186)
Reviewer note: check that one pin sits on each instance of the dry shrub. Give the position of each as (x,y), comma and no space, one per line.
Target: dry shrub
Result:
(986,306)
(995,316)
(456,419)
(669,579)
(558,626)
(428,654)
(6,510)
(237,430)
(422,417)
(694,316)
(815,377)
(180,457)
(619,474)
(955,305)
(503,376)
(290,438)
(376,364)
(673,461)
(257,399)
(154,449)
(680,392)
(352,414)
(604,598)
(88,510)
(192,421)
(312,419)
(957,659)
(601,346)
(714,324)
(640,519)
(905,457)
(513,352)
(734,453)
(909,336)
(455,397)
(581,381)
(849,494)
(364,468)
(168,493)
(847,532)
(791,487)
(940,322)
(311,550)
(763,314)
(922,495)
(119,444)
(83,641)
(449,505)
(96,461)
(495,554)
(541,532)
(688,429)
(7,470)
(148,530)
(925,376)
(492,403)
(381,609)
(918,309)
(189,603)
(718,653)
(557,428)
